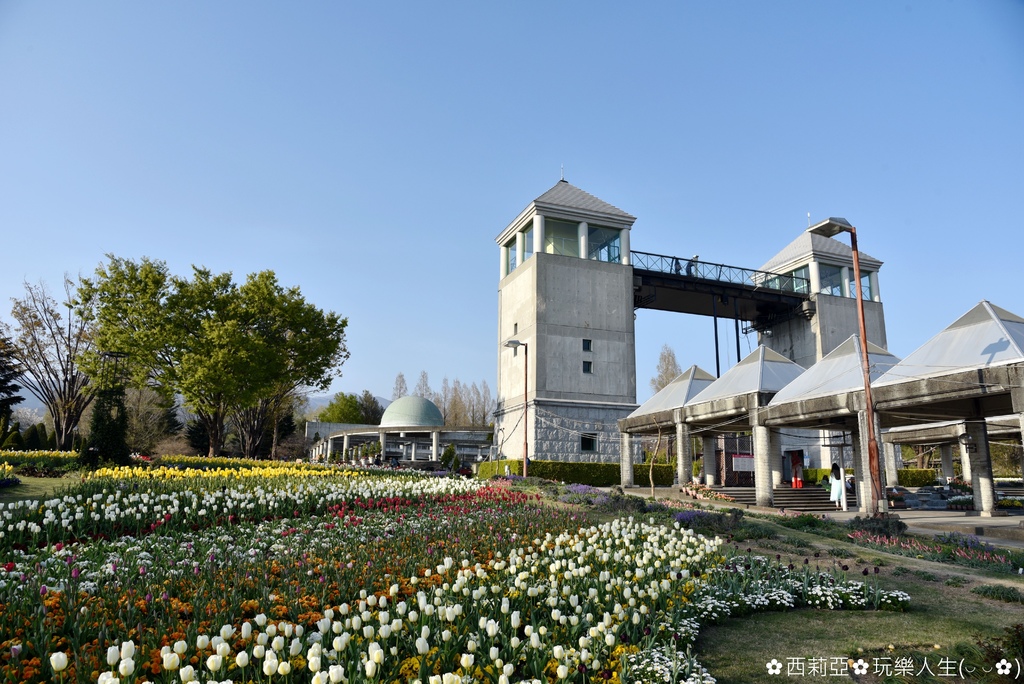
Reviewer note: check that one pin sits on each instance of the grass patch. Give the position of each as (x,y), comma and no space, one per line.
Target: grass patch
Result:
(957,581)
(736,651)
(999,592)
(34,488)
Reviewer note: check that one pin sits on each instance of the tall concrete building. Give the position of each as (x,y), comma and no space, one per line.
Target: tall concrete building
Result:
(826,266)
(566,350)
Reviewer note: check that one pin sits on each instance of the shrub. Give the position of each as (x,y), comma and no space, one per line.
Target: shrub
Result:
(885,527)
(916,477)
(999,592)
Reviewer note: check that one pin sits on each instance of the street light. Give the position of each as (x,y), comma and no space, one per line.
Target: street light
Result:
(830,228)
(513,344)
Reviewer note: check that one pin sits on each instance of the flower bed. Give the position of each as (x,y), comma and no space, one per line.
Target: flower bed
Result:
(376,579)
(702,491)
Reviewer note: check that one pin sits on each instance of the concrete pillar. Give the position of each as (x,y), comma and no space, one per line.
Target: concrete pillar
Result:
(710,459)
(625,461)
(412,452)
(876,295)
(775,463)
(538,234)
(383,445)
(684,449)
(845,278)
(582,235)
(344,447)
(814,276)
(520,249)
(965,458)
(503,268)
(1017,401)
(890,472)
(624,241)
(763,475)
(435,437)
(861,474)
(981,467)
(946,453)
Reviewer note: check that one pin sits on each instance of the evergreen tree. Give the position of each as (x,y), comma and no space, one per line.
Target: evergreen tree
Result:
(44,438)
(31,439)
(14,442)
(10,371)
(107,429)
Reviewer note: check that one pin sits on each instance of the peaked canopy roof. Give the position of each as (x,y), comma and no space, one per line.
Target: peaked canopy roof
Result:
(838,372)
(762,371)
(985,336)
(566,201)
(684,387)
(566,195)
(813,247)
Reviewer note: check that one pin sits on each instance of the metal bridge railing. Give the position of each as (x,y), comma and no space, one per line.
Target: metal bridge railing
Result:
(719,272)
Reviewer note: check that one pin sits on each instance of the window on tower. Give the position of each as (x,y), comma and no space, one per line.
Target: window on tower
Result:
(604,244)
(561,237)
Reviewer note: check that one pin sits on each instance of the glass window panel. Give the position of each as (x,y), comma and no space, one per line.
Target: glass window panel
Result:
(528,246)
(588,441)
(801,286)
(588,345)
(831,280)
(604,244)
(588,366)
(865,286)
(561,237)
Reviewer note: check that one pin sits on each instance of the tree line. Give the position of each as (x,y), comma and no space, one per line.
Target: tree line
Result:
(237,357)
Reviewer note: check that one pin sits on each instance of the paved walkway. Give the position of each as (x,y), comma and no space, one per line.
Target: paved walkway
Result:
(1005,531)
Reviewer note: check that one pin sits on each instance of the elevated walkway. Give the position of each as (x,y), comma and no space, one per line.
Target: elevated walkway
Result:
(686,285)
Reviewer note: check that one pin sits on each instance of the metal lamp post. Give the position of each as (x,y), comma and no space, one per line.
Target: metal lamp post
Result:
(830,228)
(513,344)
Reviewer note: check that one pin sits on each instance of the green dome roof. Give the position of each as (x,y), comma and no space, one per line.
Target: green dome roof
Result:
(412,412)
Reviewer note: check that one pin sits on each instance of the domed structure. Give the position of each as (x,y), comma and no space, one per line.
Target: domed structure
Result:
(412,412)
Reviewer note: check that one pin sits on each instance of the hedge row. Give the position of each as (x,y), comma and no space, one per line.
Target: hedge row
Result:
(46,460)
(593,474)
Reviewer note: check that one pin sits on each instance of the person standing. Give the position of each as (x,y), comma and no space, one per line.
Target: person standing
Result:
(835,481)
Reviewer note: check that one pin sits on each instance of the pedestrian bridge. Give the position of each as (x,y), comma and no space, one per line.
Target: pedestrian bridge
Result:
(688,285)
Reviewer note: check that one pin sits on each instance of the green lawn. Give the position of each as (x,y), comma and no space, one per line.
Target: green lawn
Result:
(35,488)
(943,613)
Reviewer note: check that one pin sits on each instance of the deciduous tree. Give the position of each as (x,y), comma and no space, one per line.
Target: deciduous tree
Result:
(49,338)
(401,389)
(668,369)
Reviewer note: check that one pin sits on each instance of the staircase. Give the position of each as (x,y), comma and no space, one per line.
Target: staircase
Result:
(811,499)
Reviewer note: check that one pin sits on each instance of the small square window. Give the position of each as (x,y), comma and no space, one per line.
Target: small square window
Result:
(515,328)
(588,366)
(588,442)
(588,345)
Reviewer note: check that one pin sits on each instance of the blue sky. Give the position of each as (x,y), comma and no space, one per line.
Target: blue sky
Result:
(370,153)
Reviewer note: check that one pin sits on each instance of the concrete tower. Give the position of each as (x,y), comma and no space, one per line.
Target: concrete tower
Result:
(566,297)
(826,265)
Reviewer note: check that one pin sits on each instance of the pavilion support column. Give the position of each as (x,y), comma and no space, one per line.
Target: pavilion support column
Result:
(383,445)
(946,453)
(981,467)
(861,474)
(412,452)
(710,459)
(344,447)
(435,438)
(684,449)
(889,474)
(763,471)
(625,461)
(774,461)
(1017,400)
(965,458)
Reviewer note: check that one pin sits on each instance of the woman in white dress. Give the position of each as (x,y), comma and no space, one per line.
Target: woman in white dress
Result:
(835,481)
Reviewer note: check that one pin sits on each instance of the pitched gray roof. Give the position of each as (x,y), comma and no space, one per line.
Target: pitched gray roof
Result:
(987,335)
(684,387)
(763,370)
(822,248)
(839,372)
(564,194)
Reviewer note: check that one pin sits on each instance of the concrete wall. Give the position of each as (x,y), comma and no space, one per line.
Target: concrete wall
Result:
(808,341)
(558,427)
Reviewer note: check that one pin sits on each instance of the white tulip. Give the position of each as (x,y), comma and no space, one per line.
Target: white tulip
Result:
(126,667)
(113,655)
(336,673)
(187,674)
(171,661)
(284,668)
(371,668)
(127,650)
(214,663)
(242,659)
(59,661)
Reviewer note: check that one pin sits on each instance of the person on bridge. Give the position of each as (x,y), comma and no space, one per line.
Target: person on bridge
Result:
(690,263)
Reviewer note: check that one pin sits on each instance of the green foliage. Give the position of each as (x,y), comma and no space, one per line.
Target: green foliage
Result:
(14,442)
(916,477)
(884,526)
(10,390)
(449,459)
(344,408)
(36,461)
(593,474)
(107,429)
(31,439)
(220,346)
(999,592)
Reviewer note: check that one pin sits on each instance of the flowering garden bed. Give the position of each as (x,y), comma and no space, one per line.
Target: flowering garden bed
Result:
(298,574)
